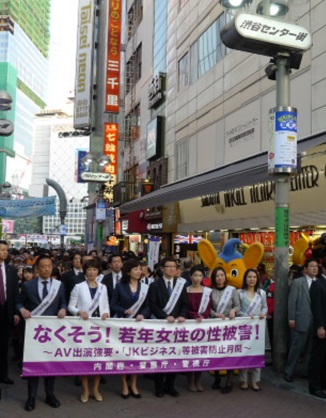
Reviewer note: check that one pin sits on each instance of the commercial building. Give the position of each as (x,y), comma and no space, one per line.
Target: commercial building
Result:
(24,47)
(55,156)
(215,104)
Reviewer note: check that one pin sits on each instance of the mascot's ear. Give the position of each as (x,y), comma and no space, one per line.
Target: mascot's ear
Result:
(253,255)
(207,253)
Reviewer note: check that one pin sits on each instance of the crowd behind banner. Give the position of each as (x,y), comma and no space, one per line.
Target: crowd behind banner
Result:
(99,286)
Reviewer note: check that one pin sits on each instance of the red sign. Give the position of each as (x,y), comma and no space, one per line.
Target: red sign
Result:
(113,57)
(111,149)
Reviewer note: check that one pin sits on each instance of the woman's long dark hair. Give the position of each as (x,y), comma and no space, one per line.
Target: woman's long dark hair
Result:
(213,276)
(245,285)
(127,267)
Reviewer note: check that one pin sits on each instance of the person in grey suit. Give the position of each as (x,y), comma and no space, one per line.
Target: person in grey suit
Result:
(30,298)
(317,362)
(300,319)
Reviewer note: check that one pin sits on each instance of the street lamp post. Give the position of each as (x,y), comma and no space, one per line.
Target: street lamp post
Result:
(243,33)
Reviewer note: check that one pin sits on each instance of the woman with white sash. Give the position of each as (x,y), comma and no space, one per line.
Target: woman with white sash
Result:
(253,303)
(226,305)
(129,300)
(199,308)
(90,299)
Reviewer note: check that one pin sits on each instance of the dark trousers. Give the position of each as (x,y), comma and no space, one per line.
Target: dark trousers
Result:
(164,381)
(317,364)
(32,385)
(4,342)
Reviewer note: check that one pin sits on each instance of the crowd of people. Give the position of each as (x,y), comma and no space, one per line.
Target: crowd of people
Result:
(59,283)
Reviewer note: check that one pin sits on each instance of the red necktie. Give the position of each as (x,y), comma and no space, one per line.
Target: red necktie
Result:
(2,288)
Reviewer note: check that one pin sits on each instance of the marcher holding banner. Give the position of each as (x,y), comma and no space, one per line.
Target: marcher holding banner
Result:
(42,296)
(226,304)
(129,300)
(253,303)
(90,299)
(199,308)
(168,300)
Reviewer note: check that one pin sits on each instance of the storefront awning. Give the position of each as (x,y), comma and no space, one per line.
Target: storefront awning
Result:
(238,174)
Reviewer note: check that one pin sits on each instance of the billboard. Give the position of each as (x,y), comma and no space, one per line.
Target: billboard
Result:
(113,56)
(111,149)
(84,66)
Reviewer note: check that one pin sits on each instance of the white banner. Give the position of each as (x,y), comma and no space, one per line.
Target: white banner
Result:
(73,346)
(153,251)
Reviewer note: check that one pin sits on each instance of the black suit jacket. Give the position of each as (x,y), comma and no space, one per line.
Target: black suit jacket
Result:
(11,294)
(29,299)
(69,280)
(122,300)
(318,302)
(158,298)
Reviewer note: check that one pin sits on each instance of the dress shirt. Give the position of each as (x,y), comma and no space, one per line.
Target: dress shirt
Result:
(309,281)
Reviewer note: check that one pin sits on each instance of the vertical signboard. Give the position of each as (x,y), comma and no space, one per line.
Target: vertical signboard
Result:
(111,149)
(84,66)
(81,167)
(113,56)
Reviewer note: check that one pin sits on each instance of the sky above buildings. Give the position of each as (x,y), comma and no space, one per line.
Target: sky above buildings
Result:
(64,20)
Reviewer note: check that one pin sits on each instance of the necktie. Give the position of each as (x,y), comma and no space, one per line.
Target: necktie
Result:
(2,288)
(117,279)
(169,288)
(45,289)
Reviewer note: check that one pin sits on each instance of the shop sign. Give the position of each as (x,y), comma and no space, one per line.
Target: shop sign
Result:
(308,178)
(155,226)
(97,177)
(156,90)
(6,127)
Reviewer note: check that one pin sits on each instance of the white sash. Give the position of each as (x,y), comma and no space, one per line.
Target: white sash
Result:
(254,304)
(46,302)
(225,299)
(142,296)
(95,301)
(204,300)
(174,296)
(99,278)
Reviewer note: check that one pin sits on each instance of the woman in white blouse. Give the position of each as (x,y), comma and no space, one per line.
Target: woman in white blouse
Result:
(253,303)
(90,299)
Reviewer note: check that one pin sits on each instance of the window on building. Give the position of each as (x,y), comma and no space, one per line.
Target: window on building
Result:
(132,124)
(135,16)
(138,62)
(183,71)
(208,50)
(130,178)
(133,69)
(182,158)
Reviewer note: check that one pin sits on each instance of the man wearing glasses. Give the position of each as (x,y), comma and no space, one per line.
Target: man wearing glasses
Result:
(168,300)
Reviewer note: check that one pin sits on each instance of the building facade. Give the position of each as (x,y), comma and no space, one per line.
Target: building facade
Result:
(55,156)
(24,47)
(216,109)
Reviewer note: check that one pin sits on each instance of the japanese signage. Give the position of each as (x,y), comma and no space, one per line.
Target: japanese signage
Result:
(97,177)
(111,149)
(264,35)
(72,346)
(24,208)
(156,90)
(282,140)
(84,67)
(80,165)
(113,56)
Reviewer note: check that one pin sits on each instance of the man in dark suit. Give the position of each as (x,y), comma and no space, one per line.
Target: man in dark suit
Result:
(69,278)
(31,301)
(110,280)
(300,319)
(317,363)
(8,295)
(160,292)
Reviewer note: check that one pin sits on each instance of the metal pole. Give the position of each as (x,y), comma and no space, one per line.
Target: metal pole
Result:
(281,230)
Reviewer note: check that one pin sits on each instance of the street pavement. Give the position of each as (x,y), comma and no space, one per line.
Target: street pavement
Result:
(277,399)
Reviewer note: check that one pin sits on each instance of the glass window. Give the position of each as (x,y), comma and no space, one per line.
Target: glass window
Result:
(182,158)
(183,71)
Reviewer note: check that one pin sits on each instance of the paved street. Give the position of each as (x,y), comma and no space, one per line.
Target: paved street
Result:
(278,399)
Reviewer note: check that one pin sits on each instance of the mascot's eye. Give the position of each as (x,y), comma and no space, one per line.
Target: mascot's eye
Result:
(234,273)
